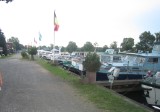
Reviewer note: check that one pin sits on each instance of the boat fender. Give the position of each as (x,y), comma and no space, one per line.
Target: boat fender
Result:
(156,107)
(145,87)
(111,69)
(116,72)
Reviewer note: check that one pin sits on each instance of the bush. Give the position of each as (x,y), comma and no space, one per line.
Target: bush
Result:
(32,51)
(24,55)
(92,62)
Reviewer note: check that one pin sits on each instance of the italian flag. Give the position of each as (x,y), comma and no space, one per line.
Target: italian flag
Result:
(56,25)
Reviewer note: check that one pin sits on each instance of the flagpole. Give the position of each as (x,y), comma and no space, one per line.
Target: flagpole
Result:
(56,26)
(53,37)
(53,46)
(39,45)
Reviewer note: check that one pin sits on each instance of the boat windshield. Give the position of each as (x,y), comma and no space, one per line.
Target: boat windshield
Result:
(130,58)
(140,60)
(152,80)
(134,59)
(105,58)
(111,58)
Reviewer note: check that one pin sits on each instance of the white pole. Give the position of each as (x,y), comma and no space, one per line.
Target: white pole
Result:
(54,46)
(53,37)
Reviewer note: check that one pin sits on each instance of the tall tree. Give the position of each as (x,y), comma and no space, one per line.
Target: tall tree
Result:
(104,48)
(127,44)
(88,47)
(157,37)
(21,46)
(80,49)
(3,42)
(7,0)
(16,44)
(99,49)
(45,47)
(95,46)
(71,47)
(113,45)
(146,41)
(63,49)
(56,47)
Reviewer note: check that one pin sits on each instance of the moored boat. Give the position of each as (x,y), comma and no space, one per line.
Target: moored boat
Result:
(135,65)
(151,87)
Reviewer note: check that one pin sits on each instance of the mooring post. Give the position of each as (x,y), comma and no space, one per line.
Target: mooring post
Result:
(110,85)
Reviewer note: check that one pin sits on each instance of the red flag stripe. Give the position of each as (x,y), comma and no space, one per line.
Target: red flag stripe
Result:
(56,25)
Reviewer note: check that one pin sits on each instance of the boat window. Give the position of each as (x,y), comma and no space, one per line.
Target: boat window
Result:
(105,58)
(130,58)
(116,58)
(153,60)
(140,60)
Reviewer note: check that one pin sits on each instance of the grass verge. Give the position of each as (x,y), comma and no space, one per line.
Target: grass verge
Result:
(3,57)
(101,97)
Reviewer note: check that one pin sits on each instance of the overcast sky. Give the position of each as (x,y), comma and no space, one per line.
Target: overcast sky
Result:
(101,21)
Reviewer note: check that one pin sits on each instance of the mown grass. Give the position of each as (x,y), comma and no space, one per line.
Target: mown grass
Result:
(101,97)
(3,57)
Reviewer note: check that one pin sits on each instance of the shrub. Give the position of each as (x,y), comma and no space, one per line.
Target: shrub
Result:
(32,51)
(24,55)
(92,62)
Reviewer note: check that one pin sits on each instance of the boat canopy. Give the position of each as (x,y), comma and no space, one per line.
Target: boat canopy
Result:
(110,51)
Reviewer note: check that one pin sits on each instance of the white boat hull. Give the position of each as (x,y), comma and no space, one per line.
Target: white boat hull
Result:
(152,94)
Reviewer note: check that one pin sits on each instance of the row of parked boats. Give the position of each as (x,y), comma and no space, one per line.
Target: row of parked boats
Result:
(145,66)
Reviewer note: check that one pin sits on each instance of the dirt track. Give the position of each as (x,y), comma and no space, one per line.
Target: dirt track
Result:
(28,87)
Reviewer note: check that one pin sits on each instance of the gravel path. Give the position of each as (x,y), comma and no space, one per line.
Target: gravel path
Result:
(28,87)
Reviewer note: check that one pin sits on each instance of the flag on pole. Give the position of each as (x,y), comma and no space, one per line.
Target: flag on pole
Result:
(56,25)
(35,41)
(40,36)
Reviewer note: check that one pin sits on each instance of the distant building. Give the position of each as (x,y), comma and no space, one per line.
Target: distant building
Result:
(9,46)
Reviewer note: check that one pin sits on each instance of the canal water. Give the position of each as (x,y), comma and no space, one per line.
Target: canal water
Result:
(137,96)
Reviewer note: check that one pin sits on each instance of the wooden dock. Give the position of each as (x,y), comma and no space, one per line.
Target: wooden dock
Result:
(122,85)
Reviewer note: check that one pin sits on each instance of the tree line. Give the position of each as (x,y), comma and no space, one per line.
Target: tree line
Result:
(7,0)
(15,42)
(128,45)
(146,43)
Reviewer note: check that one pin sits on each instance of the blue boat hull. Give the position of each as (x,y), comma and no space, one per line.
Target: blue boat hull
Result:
(102,76)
